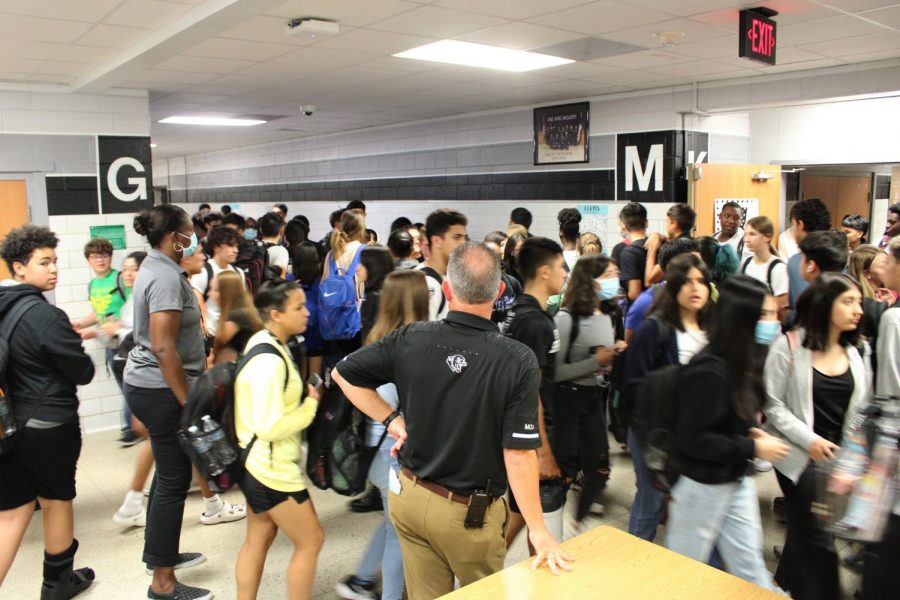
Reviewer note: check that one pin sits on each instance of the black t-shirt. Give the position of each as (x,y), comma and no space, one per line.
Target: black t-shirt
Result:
(368,313)
(632,262)
(831,396)
(239,340)
(530,324)
(466,393)
(617,251)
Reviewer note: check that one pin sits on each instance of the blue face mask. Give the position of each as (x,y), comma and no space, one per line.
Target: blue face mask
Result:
(766,331)
(187,250)
(249,234)
(609,289)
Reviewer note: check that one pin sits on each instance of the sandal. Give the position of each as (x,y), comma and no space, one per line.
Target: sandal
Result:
(230,512)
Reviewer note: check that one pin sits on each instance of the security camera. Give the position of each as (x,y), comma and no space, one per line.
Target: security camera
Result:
(308,109)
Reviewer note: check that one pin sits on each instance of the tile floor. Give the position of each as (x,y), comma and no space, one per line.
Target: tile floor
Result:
(114,553)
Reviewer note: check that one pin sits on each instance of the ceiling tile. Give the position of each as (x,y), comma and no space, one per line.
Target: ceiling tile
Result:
(644,60)
(601,17)
(876,42)
(198,64)
(322,59)
(789,12)
(509,9)
(719,47)
(645,35)
(112,36)
(683,8)
(267,29)
(801,66)
(56,67)
(692,70)
(355,13)
(374,42)
(34,29)
(854,6)
(435,22)
(520,36)
(19,65)
(170,78)
(239,49)
(27,49)
(824,30)
(89,11)
(86,54)
(885,16)
(788,55)
(146,13)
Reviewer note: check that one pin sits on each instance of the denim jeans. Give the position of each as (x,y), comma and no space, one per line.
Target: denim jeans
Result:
(705,516)
(160,412)
(126,410)
(646,510)
(384,546)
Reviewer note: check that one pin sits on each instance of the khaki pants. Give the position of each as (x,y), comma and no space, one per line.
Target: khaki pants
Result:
(436,545)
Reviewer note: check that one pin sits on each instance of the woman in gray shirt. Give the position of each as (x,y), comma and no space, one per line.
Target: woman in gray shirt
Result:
(169,351)
(591,336)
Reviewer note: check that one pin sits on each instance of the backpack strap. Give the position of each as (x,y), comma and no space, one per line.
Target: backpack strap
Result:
(740,247)
(662,341)
(437,277)
(255,351)
(209,277)
(120,286)
(14,316)
(772,265)
(573,335)
(746,264)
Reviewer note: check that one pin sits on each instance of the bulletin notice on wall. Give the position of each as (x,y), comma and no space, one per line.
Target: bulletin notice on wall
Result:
(750,206)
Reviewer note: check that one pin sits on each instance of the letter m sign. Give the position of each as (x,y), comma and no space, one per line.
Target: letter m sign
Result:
(643,173)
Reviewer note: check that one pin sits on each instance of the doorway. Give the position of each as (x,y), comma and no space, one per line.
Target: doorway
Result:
(13,211)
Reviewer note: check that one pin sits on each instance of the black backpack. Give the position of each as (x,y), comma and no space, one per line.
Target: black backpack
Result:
(771,268)
(338,457)
(253,260)
(215,451)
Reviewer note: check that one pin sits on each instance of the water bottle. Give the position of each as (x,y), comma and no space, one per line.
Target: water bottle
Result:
(8,425)
(219,445)
(203,449)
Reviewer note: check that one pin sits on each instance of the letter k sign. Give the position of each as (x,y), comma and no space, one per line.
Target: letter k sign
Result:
(654,168)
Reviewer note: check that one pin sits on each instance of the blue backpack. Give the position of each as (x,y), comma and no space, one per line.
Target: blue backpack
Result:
(338,313)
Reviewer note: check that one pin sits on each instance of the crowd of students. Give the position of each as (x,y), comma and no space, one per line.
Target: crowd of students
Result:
(782,351)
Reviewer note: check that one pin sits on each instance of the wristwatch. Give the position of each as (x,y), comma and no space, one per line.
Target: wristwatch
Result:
(390,418)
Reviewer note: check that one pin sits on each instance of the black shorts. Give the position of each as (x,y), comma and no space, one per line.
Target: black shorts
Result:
(42,463)
(262,498)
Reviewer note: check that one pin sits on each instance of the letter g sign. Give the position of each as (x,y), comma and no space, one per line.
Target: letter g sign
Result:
(140,183)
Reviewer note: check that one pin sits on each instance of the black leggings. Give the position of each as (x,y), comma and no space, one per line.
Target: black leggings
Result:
(808,568)
(880,576)
(579,433)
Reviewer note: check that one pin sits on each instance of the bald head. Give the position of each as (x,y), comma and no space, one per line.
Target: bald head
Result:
(474,274)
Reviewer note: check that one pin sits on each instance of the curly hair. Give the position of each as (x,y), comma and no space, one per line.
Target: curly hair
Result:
(813,213)
(98,246)
(20,243)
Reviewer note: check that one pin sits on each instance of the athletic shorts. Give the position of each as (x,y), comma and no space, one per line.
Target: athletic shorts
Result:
(42,463)
(262,498)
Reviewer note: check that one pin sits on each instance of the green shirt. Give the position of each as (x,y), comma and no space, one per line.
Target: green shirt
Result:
(107,296)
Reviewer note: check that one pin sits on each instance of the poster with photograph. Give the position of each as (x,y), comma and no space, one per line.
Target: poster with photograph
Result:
(561,134)
(750,206)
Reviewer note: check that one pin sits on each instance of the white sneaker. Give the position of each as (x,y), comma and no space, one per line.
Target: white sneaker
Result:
(762,465)
(136,520)
(597,509)
(230,512)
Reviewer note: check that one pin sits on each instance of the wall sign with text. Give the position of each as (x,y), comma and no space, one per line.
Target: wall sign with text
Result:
(561,134)
(756,37)
(650,165)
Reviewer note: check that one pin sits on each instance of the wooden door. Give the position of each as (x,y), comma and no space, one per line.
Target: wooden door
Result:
(13,211)
(735,181)
(842,194)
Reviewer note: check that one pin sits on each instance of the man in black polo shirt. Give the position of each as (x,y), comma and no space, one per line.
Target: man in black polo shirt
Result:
(469,422)
(542,266)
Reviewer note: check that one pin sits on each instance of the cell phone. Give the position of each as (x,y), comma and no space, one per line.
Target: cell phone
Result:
(478,505)
(314,380)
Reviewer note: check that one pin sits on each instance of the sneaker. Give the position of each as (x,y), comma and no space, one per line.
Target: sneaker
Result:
(185,561)
(230,512)
(181,592)
(70,584)
(779,509)
(130,438)
(371,501)
(762,466)
(597,509)
(353,588)
(138,519)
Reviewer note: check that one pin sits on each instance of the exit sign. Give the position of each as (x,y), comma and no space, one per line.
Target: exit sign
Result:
(756,37)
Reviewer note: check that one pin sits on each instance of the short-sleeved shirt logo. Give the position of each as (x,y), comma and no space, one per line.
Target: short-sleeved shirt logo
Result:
(457,363)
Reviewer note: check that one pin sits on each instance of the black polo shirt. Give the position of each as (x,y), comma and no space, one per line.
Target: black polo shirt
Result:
(466,393)
(530,324)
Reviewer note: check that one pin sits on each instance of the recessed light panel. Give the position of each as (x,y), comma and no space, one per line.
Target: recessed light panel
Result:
(211,121)
(468,54)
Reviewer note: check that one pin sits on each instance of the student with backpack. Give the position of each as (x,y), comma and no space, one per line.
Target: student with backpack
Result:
(239,320)
(542,265)
(445,229)
(306,266)
(222,251)
(591,336)
(375,263)
(816,379)
(714,501)
(633,257)
(404,300)
(271,411)
(44,364)
(765,266)
(340,290)
(271,229)
(169,351)
(672,334)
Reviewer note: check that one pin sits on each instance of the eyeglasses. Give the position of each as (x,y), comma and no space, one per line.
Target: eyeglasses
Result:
(99,256)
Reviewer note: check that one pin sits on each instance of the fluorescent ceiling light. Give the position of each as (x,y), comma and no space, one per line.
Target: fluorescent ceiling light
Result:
(153,145)
(479,55)
(213,121)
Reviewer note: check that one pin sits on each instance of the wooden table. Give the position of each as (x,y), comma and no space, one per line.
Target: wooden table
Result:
(614,564)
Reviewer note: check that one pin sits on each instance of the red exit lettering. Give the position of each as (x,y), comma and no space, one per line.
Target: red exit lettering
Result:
(762,37)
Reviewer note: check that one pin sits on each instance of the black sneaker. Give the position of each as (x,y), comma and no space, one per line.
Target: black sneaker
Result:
(70,584)
(181,592)
(353,588)
(185,560)
(130,438)
(371,501)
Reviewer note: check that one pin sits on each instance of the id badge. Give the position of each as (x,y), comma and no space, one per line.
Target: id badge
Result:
(393,481)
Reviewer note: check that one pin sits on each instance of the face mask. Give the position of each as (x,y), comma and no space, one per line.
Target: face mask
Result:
(189,250)
(766,331)
(609,289)
(249,234)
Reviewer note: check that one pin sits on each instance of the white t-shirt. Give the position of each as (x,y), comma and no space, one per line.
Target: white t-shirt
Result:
(787,245)
(759,272)
(278,256)
(435,297)
(690,342)
(571,257)
(200,282)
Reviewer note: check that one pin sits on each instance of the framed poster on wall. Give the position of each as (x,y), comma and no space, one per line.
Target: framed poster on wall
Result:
(561,134)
